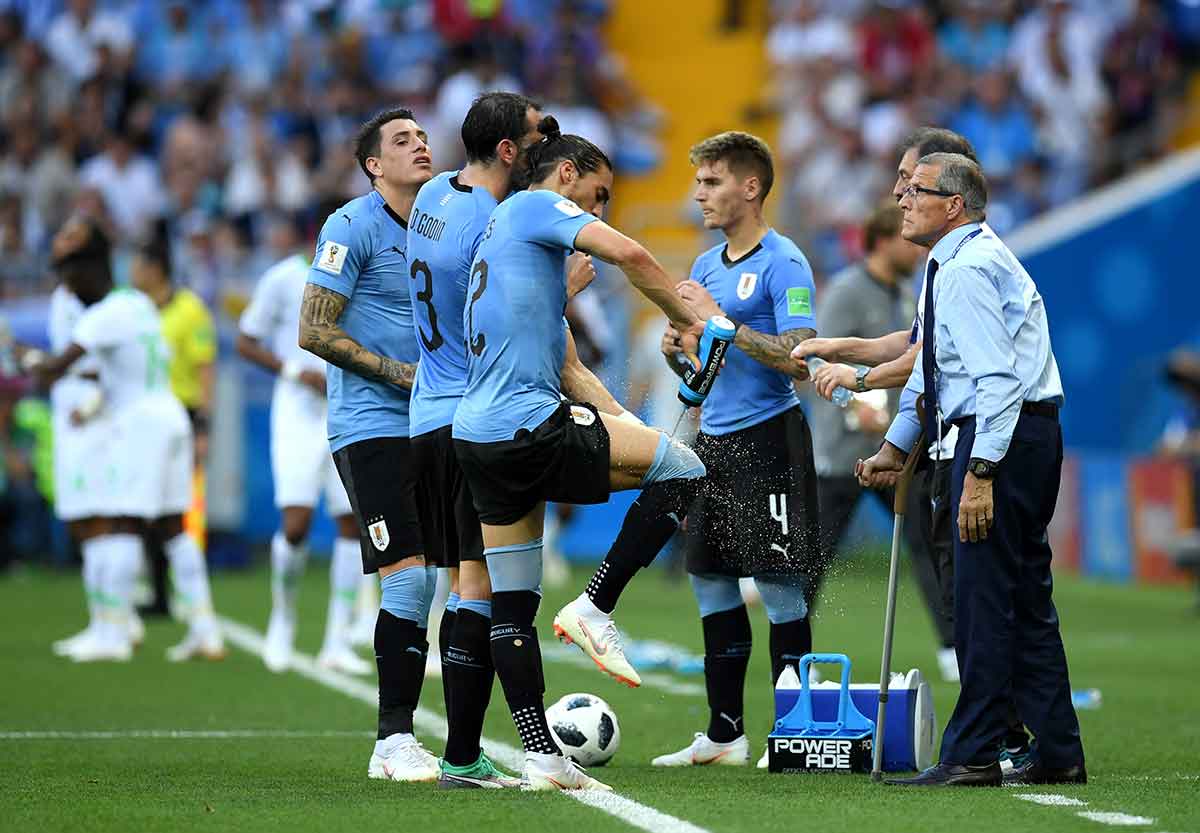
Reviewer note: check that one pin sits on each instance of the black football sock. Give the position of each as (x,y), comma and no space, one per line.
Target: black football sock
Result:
(789,642)
(468,663)
(648,526)
(518,660)
(727,641)
(400,649)
(445,633)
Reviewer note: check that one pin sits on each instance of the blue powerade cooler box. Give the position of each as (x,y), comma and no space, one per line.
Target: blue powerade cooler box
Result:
(826,737)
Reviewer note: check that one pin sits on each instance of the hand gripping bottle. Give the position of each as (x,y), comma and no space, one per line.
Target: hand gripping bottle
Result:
(695,384)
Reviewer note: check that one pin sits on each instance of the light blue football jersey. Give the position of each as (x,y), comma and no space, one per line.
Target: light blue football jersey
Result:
(447,223)
(360,254)
(769,289)
(513,321)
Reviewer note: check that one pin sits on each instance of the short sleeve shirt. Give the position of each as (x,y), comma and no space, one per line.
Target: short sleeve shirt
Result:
(769,289)
(361,255)
(513,321)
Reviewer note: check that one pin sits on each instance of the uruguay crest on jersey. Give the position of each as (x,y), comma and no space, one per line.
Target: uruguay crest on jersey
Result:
(746,284)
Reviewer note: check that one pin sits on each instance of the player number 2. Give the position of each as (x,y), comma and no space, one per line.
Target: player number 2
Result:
(425,296)
(477,342)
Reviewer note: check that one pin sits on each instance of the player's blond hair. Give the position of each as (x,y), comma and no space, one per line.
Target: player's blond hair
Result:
(745,154)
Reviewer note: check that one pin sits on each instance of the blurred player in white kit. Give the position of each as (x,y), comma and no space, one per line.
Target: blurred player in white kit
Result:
(303,471)
(139,472)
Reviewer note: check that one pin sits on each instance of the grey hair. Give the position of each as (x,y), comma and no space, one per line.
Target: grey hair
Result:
(959,175)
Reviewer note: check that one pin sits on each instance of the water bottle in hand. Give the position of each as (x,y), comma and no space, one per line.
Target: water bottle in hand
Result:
(841,396)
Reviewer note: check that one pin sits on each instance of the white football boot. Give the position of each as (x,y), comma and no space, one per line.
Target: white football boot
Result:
(765,761)
(342,658)
(402,758)
(277,647)
(702,752)
(582,623)
(203,641)
(106,644)
(64,647)
(555,772)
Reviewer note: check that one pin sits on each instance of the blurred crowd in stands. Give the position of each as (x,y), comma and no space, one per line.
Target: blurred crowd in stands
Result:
(1058,96)
(210,121)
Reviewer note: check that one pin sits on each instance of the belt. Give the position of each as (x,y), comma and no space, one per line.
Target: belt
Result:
(1040,409)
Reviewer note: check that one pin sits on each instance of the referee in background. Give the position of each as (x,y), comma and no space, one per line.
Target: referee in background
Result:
(987,368)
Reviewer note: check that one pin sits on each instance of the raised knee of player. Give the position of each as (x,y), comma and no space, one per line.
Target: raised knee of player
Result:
(673,461)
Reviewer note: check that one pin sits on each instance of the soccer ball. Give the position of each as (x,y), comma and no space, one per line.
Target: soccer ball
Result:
(585,728)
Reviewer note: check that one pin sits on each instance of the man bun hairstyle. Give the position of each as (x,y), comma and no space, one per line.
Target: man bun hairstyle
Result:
(494,117)
(367,142)
(961,175)
(929,140)
(555,147)
(745,154)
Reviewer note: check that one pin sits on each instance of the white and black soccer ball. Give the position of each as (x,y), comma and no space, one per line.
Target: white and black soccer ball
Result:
(586,728)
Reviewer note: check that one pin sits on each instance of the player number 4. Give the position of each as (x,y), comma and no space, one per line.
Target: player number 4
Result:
(779,510)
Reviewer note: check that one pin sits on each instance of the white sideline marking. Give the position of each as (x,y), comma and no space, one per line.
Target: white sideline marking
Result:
(1051,800)
(181,734)
(625,809)
(566,655)
(1115,819)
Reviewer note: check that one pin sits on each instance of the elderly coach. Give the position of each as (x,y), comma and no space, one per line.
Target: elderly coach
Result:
(986,367)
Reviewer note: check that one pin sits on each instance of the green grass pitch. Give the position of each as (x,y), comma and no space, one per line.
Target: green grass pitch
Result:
(1138,645)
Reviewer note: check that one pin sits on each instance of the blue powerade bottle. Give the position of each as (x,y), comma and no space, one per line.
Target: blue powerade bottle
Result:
(695,384)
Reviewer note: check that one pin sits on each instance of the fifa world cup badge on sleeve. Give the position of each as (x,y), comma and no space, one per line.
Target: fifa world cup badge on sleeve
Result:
(331,258)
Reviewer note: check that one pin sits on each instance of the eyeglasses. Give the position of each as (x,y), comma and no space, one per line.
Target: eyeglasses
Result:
(913,190)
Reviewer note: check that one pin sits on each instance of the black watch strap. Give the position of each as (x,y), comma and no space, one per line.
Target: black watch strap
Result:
(983,469)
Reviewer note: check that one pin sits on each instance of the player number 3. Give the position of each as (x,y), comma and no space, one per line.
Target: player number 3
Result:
(425,296)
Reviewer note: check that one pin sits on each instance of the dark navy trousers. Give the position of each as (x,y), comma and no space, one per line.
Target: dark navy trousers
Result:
(1006,626)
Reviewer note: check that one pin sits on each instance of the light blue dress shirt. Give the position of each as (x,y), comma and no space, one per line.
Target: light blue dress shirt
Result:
(992,343)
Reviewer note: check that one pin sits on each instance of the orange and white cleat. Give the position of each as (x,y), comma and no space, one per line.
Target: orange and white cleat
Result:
(581,623)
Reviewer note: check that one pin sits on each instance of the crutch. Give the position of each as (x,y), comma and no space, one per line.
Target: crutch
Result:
(889,618)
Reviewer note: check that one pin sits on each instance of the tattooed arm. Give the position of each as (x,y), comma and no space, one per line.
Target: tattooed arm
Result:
(321,335)
(773,351)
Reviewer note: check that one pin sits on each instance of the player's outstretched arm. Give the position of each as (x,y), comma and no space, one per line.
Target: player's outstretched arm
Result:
(774,351)
(894,374)
(871,352)
(321,335)
(581,384)
(647,276)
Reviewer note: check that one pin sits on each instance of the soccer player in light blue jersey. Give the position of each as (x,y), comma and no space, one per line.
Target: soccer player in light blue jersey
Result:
(518,442)
(357,316)
(448,221)
(755,513)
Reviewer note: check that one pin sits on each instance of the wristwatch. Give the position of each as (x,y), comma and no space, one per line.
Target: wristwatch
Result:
(860,379)
(982,469)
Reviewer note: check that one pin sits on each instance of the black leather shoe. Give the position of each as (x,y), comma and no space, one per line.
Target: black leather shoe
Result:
(954,775)
(1034,772)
